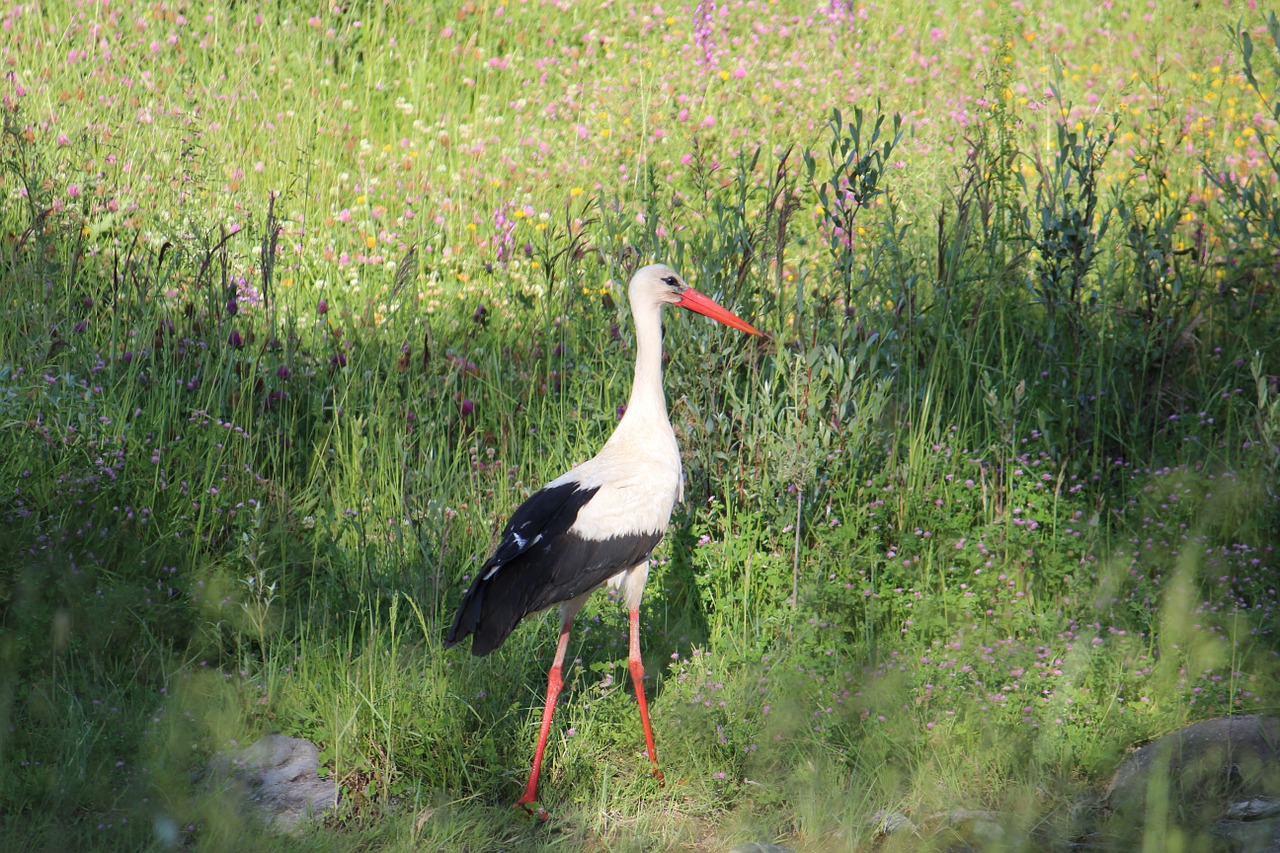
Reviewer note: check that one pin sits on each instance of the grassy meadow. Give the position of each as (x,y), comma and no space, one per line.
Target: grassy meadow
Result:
(298,302)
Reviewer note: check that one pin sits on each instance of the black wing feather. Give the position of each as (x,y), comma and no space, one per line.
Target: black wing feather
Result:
(538,563)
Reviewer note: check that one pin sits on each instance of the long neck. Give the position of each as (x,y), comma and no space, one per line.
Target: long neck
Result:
(647,399)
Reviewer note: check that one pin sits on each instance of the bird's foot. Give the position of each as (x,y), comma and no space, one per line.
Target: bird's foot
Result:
(656,773)
(537,812)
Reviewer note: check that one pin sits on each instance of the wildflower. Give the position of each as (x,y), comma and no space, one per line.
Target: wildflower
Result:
(504,232)
(703,37)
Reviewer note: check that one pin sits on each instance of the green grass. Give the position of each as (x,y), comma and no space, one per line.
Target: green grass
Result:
(295,310)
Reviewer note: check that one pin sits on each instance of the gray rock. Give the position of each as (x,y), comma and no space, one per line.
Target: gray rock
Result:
(955,830)
(981,826)
(1257,808)
(1225,760)
(280,776)
(887,822)
(1217,779)
(757,847)
(1256,836)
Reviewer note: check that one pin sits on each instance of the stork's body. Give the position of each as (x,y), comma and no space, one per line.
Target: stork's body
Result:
(597,523)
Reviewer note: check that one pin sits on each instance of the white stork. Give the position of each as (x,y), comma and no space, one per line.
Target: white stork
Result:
(596,524)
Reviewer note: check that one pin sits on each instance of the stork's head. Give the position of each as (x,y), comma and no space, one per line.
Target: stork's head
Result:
(658,284)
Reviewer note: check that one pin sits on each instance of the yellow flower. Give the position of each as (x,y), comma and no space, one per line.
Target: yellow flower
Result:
(371,241)
(575,192)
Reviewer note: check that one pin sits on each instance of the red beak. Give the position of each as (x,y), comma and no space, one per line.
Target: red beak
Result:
(705,305)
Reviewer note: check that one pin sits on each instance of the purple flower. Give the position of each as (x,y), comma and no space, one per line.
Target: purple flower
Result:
(467,407)
(322,307)
(234,339)
(504,239)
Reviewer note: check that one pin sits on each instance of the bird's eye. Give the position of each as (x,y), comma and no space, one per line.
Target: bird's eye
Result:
(671,281)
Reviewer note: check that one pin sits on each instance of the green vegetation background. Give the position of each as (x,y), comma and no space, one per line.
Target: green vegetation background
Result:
(299,303)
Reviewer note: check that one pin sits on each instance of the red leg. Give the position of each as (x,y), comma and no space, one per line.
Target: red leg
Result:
(637,678)
(554,683)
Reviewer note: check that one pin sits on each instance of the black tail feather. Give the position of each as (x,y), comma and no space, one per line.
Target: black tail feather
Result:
(487,615)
